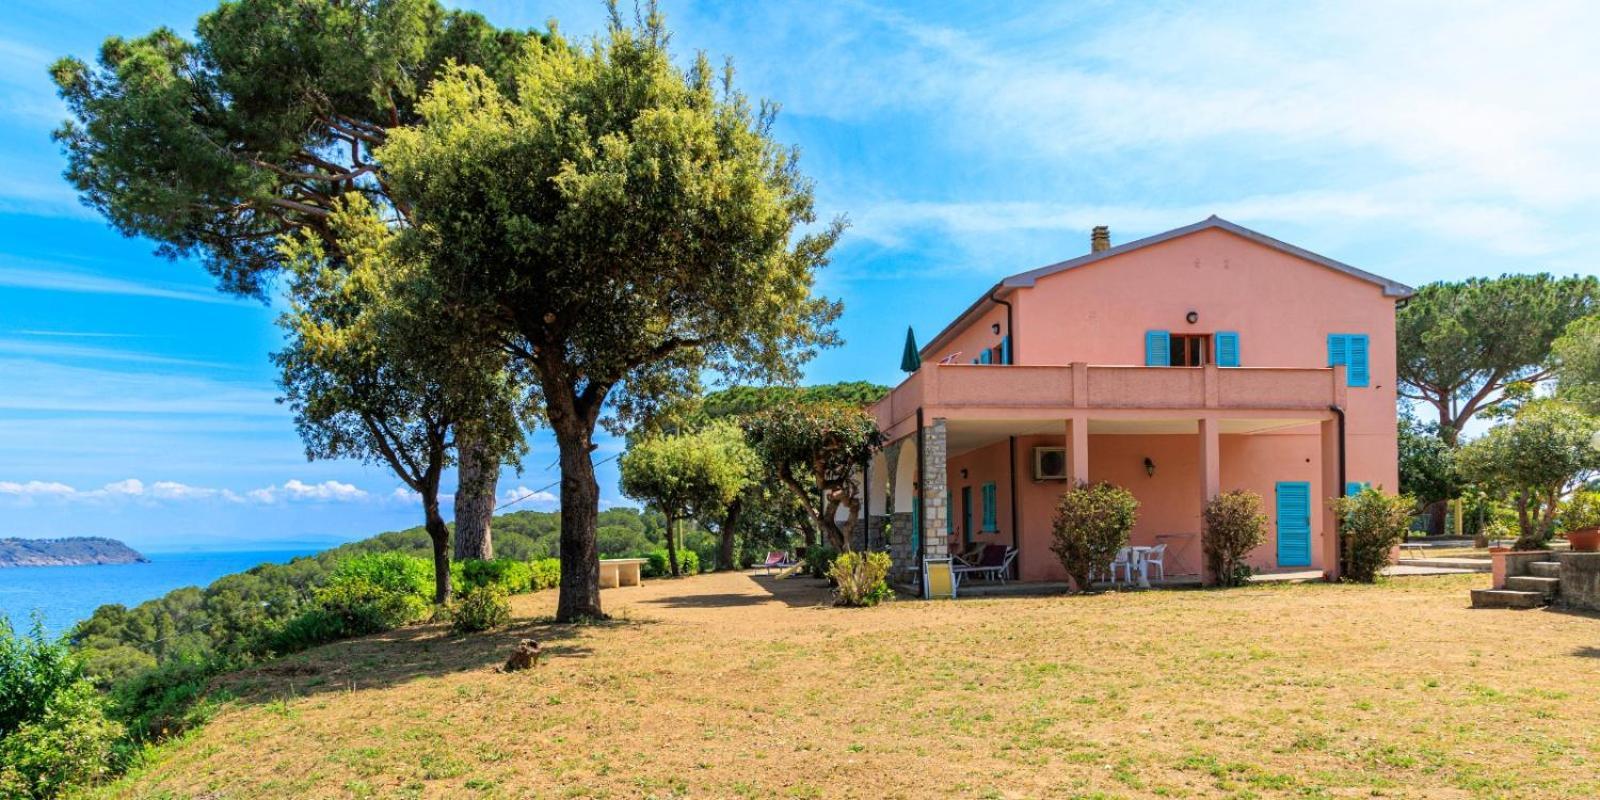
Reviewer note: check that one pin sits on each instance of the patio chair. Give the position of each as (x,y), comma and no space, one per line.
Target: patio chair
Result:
(994,564)
(1124,562)
(1157,556)
(777,559)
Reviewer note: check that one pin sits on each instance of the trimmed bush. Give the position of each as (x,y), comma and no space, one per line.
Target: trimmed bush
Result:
(394,572)
(1371,525)
(1581,510)
(1234,525)
(545,572)
(358,606)
(861,579)
(660,567)
(1091,524)
(481,608)
(510,574)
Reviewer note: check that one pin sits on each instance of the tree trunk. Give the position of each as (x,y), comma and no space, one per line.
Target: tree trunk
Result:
(478,474)
(672,546)
(1434,513)
(439,534)
(580,511)
(730,521)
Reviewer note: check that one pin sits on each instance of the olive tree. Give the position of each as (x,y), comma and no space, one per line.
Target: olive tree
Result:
(689,474)
(622,225)
(1535,458)
(815,449)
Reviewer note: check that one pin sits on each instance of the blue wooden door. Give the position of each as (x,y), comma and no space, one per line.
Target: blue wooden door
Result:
(1294,523)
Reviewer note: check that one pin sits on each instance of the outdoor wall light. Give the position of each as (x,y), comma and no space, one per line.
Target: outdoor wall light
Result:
(1149,467)
(963,473)
(1192,316)
(996,328)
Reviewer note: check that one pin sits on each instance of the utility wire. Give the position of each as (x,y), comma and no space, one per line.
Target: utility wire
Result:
(550,485)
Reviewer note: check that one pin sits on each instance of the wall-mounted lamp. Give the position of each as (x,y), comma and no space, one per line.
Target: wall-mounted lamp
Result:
(996,328)
(1149,467)
(1192,317)
(963,474)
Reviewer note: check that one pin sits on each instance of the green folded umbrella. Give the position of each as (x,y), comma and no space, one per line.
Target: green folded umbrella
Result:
(911,360)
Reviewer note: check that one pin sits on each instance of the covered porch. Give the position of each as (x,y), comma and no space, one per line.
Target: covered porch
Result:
(982,468)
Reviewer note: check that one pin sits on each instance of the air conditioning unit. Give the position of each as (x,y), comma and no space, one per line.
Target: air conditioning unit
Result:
(1049,463)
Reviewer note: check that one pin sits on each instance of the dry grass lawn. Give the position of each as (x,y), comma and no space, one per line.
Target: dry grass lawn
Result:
(737,686)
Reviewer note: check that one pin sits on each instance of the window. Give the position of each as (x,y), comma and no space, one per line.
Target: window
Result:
(1350,351)
(1189,350)
(990,499)
(966,514)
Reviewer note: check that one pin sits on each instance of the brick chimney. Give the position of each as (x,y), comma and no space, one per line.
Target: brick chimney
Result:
(1100,239)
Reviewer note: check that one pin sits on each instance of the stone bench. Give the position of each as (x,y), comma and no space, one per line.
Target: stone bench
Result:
(615,572)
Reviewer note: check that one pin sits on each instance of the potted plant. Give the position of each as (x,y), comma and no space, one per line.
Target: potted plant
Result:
(1580,516)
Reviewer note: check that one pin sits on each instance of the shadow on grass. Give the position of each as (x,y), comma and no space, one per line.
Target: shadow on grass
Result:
(403,655)
(1587,652)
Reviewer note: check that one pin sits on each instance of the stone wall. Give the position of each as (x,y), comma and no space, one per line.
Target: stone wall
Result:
(935,493)
(906,567)
(1580,580)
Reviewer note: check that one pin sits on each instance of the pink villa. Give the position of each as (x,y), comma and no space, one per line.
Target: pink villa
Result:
(1200,360)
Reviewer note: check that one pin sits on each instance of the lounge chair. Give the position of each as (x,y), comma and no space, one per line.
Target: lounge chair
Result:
(993,564)
(777,560)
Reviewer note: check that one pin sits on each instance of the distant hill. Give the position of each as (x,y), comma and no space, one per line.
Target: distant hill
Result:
(75,551)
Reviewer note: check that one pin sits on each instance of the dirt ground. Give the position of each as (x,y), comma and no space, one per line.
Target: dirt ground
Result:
(734,685)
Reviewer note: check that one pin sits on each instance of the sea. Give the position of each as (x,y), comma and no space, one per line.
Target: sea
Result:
(65,595)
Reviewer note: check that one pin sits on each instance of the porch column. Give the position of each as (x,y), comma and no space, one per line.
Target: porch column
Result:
(1077,449)
(935,492)
(1210,483)
(1330,490)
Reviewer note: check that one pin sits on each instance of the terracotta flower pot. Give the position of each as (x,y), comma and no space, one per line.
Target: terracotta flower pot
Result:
(1584,540)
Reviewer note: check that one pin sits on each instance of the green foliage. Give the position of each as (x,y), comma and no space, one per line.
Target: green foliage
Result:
(819,560)
(814,449)
(1577,356)
(167,700)
(1092,522)
(358,606)
(1371,524)
(861,578)
(1427,463)
(510,574)
(53,729)
(481,608)
(70,744)
(658,565)
(689,474)
(1234,526)
(1533,459)
(391,571)
(1463,344)
(1581,510)
(33,670)
(545,573)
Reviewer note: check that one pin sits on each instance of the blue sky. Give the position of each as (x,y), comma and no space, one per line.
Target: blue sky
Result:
(963,141)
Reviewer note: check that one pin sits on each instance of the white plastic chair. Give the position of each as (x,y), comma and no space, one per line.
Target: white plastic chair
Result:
(1156,555)
(1124,561)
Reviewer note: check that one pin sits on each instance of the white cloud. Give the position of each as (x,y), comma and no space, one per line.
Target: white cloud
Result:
(329,491)
(524,498)
(59,278)
(35,489)
(135,490)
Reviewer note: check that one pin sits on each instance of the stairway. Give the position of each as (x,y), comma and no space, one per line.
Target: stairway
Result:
(1535,589)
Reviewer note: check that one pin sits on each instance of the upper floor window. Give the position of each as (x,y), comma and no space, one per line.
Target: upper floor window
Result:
(1350,351)
(1166,349)
(1189,349)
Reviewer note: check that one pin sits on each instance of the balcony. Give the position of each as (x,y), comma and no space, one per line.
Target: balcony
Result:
(1017,391)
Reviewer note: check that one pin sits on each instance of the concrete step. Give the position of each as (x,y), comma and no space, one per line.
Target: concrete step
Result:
(1531,583)
(1545,569)
(1506,598)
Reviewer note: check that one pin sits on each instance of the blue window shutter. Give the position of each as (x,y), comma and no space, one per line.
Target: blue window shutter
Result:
(1005,350)
(1336,350)
(985,357)
(1356,352)
(1227,348)
(1157,349)
(1353,488)
(989,500)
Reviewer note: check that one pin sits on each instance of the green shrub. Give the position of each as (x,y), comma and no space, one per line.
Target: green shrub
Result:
(659,567)
(71,743)
(510,574)
(394,572)
(481,608)
(1581,510)
(819,560)
(357,607)
(1234,525)
(546,573)
(33,669)
(861,578)
(1371,525)
(167,700)
(1091,524)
